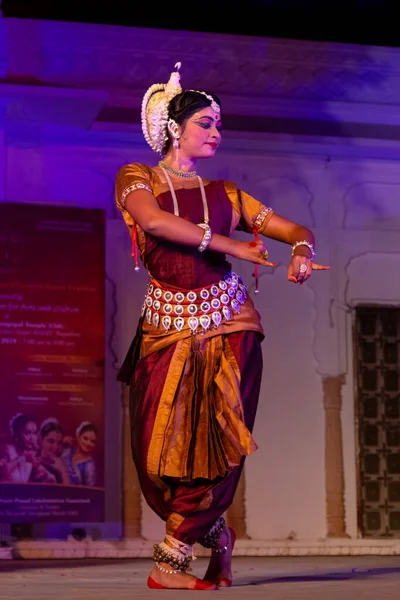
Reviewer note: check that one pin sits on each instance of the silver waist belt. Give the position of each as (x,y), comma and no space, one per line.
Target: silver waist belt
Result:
(198,309)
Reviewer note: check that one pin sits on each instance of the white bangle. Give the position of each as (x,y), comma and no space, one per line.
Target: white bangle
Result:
(206,237)
(304,243)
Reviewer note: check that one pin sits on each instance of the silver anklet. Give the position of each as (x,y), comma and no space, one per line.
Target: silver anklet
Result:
(168,571)
(176,559)
(210,540)
(225,548)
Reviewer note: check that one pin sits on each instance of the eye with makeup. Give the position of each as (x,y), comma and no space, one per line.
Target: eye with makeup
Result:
(208,125)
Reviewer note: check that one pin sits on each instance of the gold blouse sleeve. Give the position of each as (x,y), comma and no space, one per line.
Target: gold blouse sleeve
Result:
(248,213)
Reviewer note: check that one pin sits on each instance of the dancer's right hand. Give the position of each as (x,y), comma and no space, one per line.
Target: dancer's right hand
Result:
(254,252)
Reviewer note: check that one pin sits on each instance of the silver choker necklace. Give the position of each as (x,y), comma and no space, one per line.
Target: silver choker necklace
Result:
(184,174)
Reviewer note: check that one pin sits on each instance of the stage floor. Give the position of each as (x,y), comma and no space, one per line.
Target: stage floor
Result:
(284,578)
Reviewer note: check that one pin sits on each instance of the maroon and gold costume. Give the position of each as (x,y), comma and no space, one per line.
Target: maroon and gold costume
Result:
(193,392)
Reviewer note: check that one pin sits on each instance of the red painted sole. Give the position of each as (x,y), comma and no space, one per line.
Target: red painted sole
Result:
(199,585)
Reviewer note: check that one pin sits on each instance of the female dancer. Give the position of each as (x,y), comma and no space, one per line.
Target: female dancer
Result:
(194,366)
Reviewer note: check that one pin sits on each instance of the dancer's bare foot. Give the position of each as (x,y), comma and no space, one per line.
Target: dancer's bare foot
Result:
(177,581)
(220,567)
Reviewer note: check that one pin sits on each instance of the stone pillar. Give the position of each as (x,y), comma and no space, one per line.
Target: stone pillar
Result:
(334,472)
(131,494)
(236,513)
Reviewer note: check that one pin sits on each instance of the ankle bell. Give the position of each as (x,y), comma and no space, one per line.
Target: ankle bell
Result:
(211,539)
(175,553)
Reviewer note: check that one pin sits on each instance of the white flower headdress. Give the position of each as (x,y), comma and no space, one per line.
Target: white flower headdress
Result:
(12,421)
(52,420)
(81,426)
(155,110)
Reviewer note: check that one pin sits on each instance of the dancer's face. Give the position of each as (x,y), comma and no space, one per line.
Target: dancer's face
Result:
(52,444)
(86,441)
(201,134)
(29,436)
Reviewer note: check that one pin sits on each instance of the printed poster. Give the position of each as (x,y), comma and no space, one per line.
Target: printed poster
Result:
(52,286)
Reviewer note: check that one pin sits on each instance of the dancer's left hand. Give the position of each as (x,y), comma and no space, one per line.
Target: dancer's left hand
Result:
(301,267)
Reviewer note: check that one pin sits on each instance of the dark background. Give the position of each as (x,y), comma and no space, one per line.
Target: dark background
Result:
(370,22)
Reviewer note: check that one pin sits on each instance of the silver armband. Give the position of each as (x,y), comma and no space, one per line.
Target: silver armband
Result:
(132,188)
(260,218)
